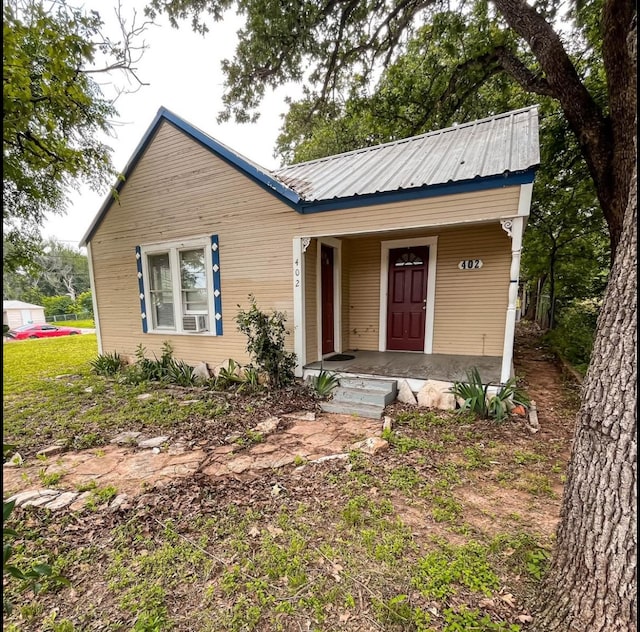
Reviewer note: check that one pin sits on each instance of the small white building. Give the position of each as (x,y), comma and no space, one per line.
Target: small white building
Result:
(16,313)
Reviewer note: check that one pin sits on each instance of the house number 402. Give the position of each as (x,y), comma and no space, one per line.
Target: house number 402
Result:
(470,264)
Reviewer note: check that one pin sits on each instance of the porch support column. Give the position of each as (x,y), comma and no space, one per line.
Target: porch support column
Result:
(300,245)
(514,228)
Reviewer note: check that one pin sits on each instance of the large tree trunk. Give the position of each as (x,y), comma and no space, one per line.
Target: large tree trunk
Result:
(592,585)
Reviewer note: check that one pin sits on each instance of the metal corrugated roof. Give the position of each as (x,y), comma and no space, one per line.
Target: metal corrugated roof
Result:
(502,144)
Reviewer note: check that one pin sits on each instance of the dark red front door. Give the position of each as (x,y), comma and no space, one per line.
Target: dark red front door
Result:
(326,266)
(406,309)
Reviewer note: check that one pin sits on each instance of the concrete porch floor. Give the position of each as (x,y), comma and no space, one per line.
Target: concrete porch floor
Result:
(413,366)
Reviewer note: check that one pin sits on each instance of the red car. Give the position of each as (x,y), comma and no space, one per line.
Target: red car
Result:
(40,331)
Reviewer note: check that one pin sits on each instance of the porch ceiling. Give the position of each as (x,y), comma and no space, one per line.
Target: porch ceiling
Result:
(420,366)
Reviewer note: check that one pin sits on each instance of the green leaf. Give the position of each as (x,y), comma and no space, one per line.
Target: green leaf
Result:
(7,508)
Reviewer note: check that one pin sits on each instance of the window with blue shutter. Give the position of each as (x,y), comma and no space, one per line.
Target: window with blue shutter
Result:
(179,286)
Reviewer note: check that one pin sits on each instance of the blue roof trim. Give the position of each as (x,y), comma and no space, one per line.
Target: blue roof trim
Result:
(469,186)
(260,177)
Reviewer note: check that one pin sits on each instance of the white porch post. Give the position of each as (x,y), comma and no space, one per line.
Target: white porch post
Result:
(300,244)
(514,228)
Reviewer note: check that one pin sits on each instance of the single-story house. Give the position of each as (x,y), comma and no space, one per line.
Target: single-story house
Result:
(404,255)
(17,313)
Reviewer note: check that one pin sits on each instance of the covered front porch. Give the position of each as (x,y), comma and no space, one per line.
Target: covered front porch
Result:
(407,304)
(416,368)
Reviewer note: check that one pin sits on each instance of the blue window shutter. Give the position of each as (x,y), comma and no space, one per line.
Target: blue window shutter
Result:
(217,289)
(143,307)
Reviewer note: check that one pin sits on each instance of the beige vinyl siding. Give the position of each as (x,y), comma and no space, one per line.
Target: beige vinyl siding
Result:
(180,190)
(311,299)
(471,305)
(364,293)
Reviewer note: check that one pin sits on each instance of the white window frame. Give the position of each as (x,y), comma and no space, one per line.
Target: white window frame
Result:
(173,248)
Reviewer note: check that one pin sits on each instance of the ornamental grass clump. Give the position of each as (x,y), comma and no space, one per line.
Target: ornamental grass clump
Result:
(475,396)
(324,383)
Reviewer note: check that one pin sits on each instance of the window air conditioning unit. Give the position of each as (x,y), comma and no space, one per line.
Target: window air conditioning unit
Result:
(197,322)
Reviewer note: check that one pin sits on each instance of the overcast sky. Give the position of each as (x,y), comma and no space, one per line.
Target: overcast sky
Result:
(183,73)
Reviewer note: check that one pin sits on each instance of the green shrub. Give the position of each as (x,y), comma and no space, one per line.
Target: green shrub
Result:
(266,343)
(180,373)
(153,370)
(573,336)
(5,329)
(324,383)
(84,302)
(228,375)
(58,305)
(474,394)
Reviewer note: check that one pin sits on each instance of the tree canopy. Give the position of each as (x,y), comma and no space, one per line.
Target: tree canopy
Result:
(54,112)
(339,47)
(56,269)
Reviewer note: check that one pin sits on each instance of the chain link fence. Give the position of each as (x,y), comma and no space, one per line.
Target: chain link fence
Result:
(63,317)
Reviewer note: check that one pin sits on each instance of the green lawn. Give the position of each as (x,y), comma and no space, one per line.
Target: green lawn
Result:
(82,324)
(27,362)
(51,394)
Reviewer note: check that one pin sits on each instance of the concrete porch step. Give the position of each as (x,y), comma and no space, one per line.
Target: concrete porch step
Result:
(361,396)
(377,397)
(369,411)
(369,384)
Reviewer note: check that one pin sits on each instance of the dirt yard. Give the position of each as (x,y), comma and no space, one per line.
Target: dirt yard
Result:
(448,529)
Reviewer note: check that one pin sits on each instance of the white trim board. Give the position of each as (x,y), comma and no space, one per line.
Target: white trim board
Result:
(386,246)
(94,299)
(336,244)
(299,327)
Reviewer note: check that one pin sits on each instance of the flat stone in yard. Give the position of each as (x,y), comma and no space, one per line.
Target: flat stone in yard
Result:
(32,494)
(372,445)
(15,461)
(80,501)
(43,499)
(155,442)
(118,501)
(301,415)
(267,426)
(144,396)
(62,501)
(52,450)
(126,438)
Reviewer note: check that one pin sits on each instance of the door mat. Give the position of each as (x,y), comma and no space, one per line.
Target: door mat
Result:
(339,357)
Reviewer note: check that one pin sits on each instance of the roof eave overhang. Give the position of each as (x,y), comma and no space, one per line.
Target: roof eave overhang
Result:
(290,197)
(434,190)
